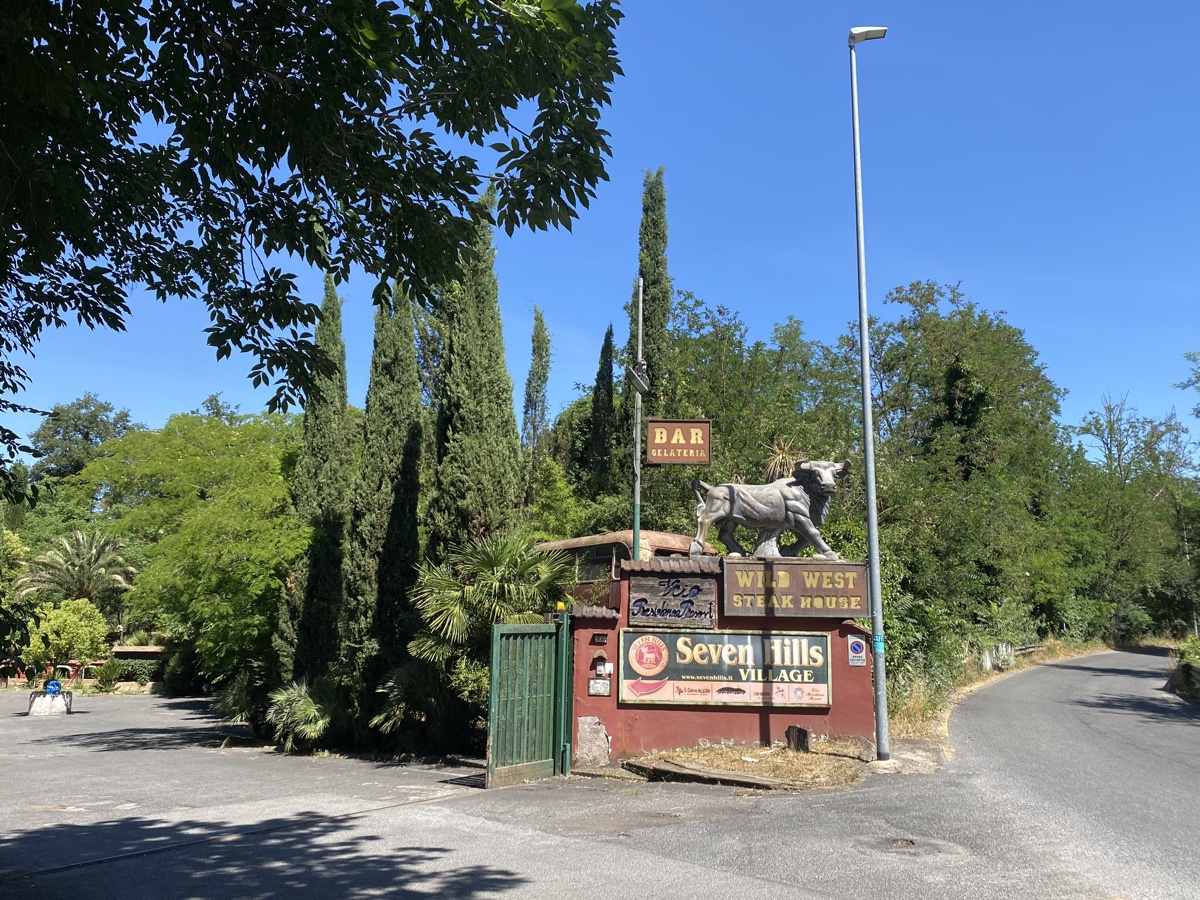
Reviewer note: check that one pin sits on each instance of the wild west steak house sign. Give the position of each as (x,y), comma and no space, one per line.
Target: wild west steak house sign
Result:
(745,668)
(795,588)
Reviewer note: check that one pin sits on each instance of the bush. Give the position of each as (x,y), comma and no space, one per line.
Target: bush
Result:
(181,675)
(110,673)
(300,713)
(242,700)
(1187,667)
(75,629)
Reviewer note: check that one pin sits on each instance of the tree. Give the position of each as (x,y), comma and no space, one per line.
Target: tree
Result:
(535,420)
(321,492)
(968,456)
(15,610)
(384,545)
(497,579)
(74,629)
(657,295)
(208,503)
(1135,567)
(603,422)
(306,130)
(477,488)
(71,435)
(83,566)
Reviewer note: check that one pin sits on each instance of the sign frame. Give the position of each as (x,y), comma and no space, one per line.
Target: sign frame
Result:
(674,434)
(672,600)
(774,588)
(628,636)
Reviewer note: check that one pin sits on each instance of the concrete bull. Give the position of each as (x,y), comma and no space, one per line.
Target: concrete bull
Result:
(797,504)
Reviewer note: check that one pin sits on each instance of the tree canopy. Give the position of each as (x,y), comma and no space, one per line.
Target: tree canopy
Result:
(187,148)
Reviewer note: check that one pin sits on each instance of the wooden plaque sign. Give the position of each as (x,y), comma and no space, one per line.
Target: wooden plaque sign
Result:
(678,442)
(667,600)
(777,588)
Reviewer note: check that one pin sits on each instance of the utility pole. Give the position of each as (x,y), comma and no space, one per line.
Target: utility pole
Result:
(640,384)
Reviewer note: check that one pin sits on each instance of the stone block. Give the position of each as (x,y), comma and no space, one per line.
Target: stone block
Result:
(43,704)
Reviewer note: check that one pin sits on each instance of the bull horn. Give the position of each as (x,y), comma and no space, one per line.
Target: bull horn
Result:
(845,468)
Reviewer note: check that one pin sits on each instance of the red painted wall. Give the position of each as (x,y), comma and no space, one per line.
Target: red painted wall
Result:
(635,728)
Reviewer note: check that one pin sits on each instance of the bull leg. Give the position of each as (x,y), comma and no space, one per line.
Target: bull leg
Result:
(807,532)
(729,540)
(703,521)
(767,544)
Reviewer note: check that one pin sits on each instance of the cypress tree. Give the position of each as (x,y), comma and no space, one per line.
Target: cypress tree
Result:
(656,303)
(656,345)
(603,425)
(321,495)
(384,546)
(477,486)
(535,419)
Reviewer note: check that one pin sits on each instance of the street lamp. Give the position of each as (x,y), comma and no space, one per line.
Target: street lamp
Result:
(857,36)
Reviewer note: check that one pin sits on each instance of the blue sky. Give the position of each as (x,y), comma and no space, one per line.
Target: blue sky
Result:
(1045,155)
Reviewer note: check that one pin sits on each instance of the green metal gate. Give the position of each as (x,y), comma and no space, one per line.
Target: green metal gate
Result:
(529,712)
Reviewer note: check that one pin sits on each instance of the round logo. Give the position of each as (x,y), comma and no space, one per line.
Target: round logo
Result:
(857,646)
(53,688)
(648,655)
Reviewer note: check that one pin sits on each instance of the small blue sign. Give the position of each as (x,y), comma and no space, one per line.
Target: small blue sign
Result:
(53,688)
(877,640)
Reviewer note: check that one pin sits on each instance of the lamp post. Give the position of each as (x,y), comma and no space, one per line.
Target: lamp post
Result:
(882,750)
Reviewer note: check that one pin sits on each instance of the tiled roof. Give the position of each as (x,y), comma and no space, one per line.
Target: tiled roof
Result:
(594,612)
(677,565)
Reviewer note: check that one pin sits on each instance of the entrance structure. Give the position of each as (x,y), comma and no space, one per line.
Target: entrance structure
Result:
(721,649)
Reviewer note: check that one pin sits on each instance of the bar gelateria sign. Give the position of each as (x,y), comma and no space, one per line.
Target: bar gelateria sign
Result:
(678,442)
(743,668)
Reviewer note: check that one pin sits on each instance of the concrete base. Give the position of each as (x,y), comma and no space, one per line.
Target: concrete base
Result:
(42,704)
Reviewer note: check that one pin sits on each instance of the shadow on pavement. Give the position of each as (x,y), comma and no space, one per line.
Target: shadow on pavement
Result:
(302,855)
(1149,709)
(151,738)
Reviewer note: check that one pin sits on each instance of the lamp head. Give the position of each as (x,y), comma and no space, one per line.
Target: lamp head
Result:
(866,33)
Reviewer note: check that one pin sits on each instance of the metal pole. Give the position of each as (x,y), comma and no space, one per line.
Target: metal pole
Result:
(883,751)
(637,442)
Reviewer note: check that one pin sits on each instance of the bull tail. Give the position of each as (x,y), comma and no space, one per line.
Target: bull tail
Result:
(696,485)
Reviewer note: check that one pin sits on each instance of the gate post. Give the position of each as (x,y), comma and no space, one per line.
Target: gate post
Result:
(564,689)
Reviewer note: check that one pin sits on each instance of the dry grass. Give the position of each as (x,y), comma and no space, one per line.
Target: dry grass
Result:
(831,764)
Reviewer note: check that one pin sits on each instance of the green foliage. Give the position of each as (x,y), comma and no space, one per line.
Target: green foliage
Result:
(71,435)
(496,579)
(110,673)
(181,674)
(657,296)
(384,544)
(15,610)
(87,566)
(242,699)
(208,503)
(478,486)
(535,421)
(75,629)
(1189,651)
(321,490)
(143,671)
(326,151)
(301,715)
(602,424)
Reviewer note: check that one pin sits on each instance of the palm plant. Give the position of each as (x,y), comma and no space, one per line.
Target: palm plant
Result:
(498,579)
(782,458)
(81,567)
(502,579)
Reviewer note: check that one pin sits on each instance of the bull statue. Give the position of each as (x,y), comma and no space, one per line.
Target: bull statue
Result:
(797,504)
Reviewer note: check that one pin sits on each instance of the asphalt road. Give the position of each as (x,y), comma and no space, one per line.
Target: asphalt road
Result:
(1078,781)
